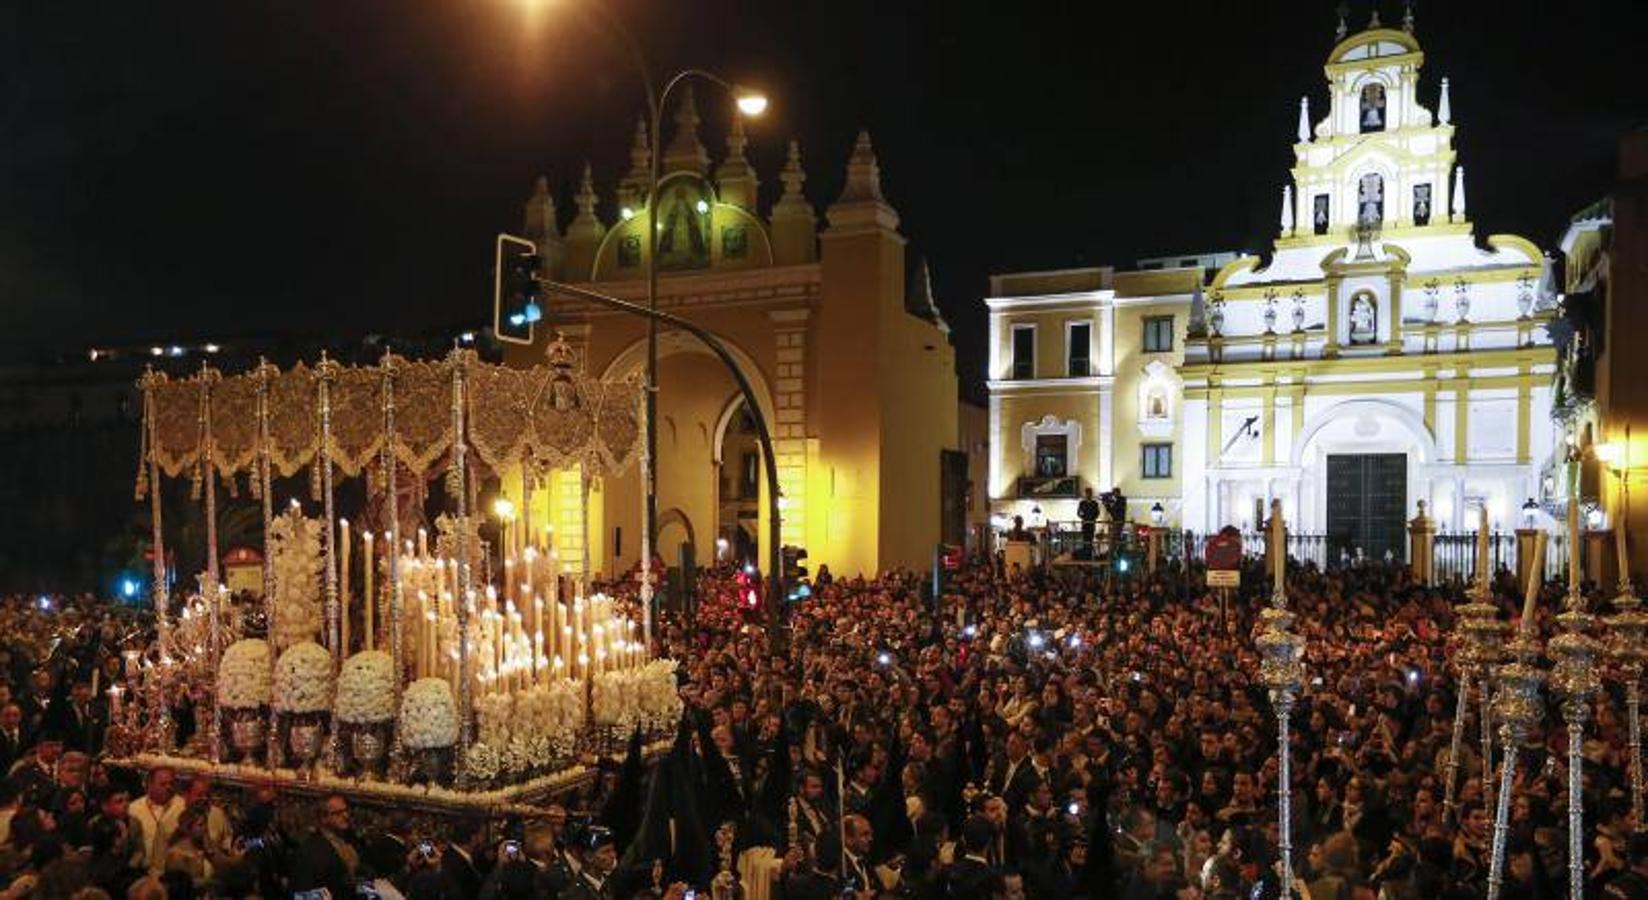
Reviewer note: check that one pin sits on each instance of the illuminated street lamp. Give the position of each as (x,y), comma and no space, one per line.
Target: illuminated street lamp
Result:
(1530,513)
(1158,515)
(747,102)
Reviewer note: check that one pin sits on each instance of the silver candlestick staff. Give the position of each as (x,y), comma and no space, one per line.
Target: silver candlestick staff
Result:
(1282,669)
(1481,648)
(1628,629)
(1574,677)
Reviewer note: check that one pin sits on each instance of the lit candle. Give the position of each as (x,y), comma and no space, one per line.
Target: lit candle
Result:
(509,578)
(368,564)
(423,543)
(343,589)
(114,702)
(1484,579)
(1536,575)
(1574,550)
(1277,554)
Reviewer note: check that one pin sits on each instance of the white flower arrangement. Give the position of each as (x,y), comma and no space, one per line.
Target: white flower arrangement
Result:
(660,698)
(303,679)
(366,688)
(614,699)
(482,762)
(295,557)
(495,718)
(429,718)
(243,675)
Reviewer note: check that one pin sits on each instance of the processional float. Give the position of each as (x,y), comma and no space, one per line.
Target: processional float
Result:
(454,689)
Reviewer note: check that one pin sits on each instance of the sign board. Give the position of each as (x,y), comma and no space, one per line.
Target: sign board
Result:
(1224,551)
(1224,578)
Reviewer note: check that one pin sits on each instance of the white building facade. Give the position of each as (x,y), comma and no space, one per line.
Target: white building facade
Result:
(1383,355)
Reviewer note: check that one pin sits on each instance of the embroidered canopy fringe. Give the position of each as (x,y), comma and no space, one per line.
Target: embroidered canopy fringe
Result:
(546,416)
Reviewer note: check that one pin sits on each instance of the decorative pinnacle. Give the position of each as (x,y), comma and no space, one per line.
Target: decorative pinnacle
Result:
(1574,674)
(1407,16)
(1344,11)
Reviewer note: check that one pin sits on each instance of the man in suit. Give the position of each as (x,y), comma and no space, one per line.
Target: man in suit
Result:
(328,857)
(458,861)
(599,858)
(14,739)
(969,877)
(1014,775)
(82,720)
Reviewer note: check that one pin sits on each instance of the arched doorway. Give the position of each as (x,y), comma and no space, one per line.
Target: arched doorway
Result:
(697,399)
(1363,464)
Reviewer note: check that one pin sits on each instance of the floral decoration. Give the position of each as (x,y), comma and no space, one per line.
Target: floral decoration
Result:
(303,679)
(429,718)
(366,688)
(243,675)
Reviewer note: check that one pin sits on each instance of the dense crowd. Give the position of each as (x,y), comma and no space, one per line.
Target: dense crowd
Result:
(1040,734)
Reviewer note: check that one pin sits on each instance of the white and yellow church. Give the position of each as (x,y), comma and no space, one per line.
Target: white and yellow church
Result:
(1381,354)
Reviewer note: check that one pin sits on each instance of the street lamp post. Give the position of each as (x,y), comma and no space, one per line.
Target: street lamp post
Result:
(749,103)
(775,574)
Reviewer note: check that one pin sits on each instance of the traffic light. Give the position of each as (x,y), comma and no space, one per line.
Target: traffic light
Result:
(794,571)
(516,303)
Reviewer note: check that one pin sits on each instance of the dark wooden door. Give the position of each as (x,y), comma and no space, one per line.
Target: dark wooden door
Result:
(1367,497)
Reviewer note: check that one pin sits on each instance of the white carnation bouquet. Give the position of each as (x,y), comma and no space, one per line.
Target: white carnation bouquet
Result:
(495,716)
(615,698)
(660,698)
(243,675)
(562,715)
(366,688)
(294,548)
(429,718)
(303,679)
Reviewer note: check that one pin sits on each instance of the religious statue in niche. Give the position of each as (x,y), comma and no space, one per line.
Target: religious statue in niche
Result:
(1298,309)
(1270,311)
(1421,204)
(1216,316)
(1156,403)
(1373,108)
(683,235)
(1364,319)
(735,242)
(1319,217)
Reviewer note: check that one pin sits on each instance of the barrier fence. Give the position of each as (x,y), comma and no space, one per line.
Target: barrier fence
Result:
(1455,553)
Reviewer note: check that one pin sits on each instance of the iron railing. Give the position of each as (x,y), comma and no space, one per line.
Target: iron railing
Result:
(1455,552)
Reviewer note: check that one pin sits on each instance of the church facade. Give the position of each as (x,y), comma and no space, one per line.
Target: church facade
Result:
(1383,353)
(834,327)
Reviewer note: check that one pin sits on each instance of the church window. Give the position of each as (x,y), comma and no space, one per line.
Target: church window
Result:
(735,242)
(1319,215)
(1078,356)
(1024,352)
(1052,455)
(1158,334)
(1158,460)
(1370,200)
(1373,108)
(1421,204)
(629,251)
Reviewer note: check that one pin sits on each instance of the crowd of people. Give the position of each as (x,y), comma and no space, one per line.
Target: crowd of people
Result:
(1069,733)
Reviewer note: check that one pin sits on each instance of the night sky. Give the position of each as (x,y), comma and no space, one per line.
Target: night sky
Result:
(193,170)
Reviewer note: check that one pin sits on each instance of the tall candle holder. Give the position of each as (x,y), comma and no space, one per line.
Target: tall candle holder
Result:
(1627,631)
(1518,708)
(1481,648)
(1574,677)
(1481,638)
(1281,669)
